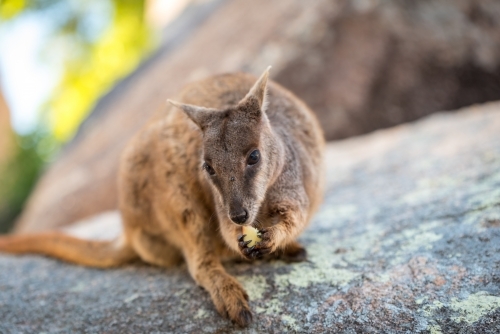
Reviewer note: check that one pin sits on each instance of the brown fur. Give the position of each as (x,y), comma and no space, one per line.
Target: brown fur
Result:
(173,209)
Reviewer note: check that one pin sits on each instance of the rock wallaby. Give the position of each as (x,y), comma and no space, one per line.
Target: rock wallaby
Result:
(233,151)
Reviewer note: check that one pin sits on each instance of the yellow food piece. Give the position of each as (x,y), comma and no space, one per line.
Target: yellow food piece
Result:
(251,234)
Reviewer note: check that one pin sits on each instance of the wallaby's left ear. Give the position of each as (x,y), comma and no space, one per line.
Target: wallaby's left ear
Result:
(199,115)
(258,91)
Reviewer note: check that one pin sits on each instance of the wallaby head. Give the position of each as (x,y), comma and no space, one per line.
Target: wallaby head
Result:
(240,152)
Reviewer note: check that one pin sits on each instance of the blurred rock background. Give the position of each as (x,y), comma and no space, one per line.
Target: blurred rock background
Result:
(361,65)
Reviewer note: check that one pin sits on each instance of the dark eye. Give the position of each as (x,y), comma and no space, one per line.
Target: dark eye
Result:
(208,168)
(254,157)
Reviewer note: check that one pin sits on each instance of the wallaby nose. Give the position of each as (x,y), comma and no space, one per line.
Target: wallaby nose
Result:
(240,217)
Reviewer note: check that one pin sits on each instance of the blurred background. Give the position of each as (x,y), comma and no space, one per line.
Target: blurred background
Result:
(79,77)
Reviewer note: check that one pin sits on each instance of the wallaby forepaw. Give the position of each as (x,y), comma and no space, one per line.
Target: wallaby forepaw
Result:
(267,244)
(260,249)
(248,252)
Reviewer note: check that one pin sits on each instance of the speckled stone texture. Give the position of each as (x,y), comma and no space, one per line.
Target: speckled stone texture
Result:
(407,241)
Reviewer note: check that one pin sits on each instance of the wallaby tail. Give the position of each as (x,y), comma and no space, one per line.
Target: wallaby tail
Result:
(101,254)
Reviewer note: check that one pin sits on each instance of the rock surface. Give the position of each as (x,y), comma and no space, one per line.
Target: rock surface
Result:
(407,241)
(361,65)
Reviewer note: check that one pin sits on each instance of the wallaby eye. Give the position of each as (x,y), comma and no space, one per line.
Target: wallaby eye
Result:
(208,168)
(254,157)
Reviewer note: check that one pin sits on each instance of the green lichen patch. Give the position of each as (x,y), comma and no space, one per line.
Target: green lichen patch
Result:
(255,285)
(465,311)
(474,307)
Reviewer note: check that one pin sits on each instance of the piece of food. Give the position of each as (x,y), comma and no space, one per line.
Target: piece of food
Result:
(251,234)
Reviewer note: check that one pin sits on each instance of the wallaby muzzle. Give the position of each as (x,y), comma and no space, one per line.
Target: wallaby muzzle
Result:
(238,213)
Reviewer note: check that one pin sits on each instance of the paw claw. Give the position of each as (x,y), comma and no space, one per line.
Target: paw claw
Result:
(248,251)
(243,244)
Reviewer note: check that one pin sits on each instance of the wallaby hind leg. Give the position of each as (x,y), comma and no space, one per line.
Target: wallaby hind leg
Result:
(154,249)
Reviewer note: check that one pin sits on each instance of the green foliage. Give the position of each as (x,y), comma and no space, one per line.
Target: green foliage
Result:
(97,65)
(11,8)
(19,175)
(98,42)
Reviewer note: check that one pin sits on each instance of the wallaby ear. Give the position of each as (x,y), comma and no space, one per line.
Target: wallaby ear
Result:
(200,115)
(258,91)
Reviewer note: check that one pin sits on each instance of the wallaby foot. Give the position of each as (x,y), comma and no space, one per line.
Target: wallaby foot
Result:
(231,300)
(293,252)
(228,296)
